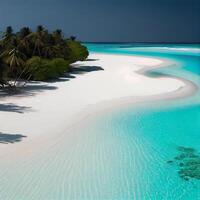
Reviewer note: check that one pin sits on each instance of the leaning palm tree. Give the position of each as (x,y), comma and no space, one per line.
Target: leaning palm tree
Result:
(15,60)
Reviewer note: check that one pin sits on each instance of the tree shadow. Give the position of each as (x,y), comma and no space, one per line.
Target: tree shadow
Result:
(69,76)
(10,107)
(85,69)
(30,89)
(10,138)
(90,59)
(63,78)
(76,70)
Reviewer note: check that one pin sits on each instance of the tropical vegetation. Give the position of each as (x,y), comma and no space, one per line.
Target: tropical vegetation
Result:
(39,56)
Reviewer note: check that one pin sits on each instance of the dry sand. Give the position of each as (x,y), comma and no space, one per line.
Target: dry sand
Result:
(104,81)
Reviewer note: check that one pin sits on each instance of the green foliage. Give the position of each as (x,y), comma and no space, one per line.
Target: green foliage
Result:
(43,69)
(60,65)
(78,51)
(38,55)
(14,60)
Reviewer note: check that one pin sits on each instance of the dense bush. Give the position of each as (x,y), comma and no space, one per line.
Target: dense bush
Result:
(60,65)
(78,51)
(43,69)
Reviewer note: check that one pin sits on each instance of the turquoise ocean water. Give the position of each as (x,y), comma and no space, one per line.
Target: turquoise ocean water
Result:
(121,155)
(148,136)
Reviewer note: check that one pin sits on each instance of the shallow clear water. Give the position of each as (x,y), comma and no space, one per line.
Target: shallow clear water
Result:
(122,154)
(152,133)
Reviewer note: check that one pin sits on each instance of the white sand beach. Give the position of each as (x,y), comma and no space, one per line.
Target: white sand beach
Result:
(104,82)
(105,79)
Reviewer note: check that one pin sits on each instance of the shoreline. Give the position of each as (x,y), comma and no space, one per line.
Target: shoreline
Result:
(48,121)
(104,107)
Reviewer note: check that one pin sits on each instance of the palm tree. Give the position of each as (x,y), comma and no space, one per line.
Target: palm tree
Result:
(15,60)
(58,32)
(24,46)
(7,37)
(9,31)
(36,43)
(57,35)
(38,40)
(24,32)
(73,38)
(38,47)
(40,28)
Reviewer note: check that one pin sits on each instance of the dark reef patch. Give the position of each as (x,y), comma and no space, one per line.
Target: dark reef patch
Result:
(187,162)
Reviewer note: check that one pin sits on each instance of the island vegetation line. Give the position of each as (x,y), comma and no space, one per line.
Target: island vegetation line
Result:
(36,55)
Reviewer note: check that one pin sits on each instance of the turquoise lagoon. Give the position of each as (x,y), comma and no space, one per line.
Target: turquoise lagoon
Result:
(148,136)
(123,154)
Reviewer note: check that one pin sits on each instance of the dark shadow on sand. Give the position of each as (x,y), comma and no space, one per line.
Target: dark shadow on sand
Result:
(34,87)
(85,69)
(76,70)
(30,89)
(10,107)
(10,138)
(63,78)
(90,59)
